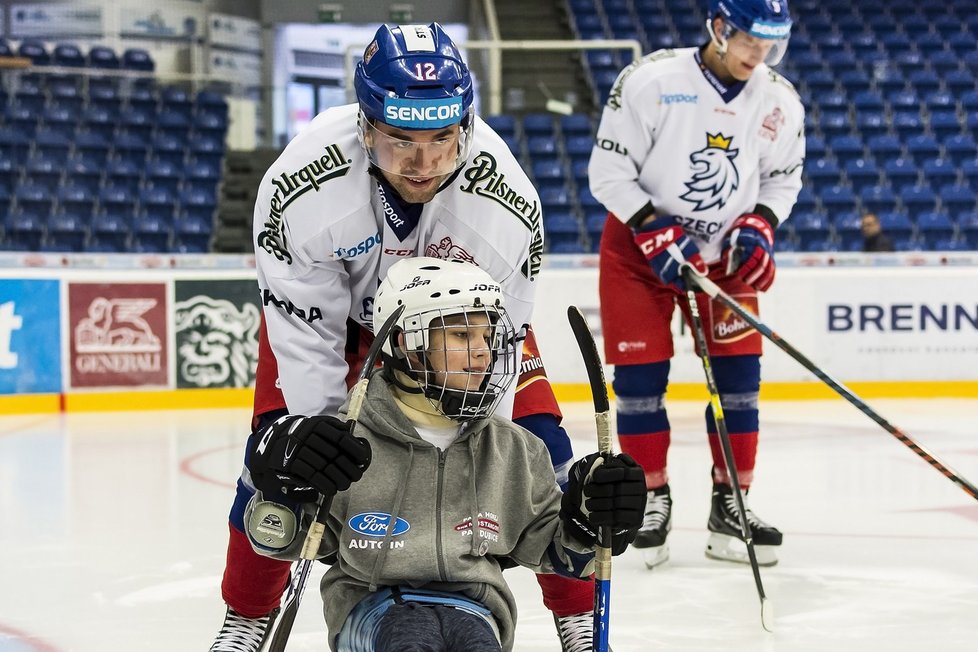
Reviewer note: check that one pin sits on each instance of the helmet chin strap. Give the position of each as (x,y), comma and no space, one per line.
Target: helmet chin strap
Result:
(718,43)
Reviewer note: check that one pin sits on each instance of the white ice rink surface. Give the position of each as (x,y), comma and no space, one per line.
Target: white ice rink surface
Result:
(114,531)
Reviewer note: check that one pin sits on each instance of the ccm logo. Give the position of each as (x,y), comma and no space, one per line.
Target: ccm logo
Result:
(661,240)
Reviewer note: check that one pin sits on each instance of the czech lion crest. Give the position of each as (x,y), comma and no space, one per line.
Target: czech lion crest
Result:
(715,176)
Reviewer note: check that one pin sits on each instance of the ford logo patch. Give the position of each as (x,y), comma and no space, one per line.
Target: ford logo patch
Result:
(375,524)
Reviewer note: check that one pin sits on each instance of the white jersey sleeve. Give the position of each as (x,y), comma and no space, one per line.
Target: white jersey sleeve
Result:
(781,165)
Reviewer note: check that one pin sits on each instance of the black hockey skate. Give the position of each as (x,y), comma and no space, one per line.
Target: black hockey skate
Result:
(241,634)
(655,528)
(725,540)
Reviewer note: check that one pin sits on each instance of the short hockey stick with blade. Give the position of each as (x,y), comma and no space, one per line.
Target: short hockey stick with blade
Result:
(316,530)
(711,289)
(602,552)
(767,609)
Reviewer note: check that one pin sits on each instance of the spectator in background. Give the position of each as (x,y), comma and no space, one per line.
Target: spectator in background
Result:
(873,237)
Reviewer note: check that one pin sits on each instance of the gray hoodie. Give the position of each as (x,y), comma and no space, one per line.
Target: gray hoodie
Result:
(491,494)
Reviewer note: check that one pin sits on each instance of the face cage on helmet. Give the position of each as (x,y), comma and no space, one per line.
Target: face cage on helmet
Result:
(722,41)
(401,157)
(478,394)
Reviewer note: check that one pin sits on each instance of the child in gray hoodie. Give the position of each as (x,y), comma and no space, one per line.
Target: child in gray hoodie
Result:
(435,493)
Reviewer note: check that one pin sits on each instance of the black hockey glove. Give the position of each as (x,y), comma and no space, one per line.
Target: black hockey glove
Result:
(302,457)
(604,492)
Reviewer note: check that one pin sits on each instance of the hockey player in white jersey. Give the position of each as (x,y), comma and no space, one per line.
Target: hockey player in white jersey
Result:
(409,170)
(698,157)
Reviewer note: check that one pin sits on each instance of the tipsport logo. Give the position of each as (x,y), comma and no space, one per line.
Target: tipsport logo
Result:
(10,321)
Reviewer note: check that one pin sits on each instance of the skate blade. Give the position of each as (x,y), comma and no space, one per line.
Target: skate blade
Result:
(655,556)
(727,548)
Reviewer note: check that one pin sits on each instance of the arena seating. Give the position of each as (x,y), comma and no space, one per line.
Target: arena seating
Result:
(106,163)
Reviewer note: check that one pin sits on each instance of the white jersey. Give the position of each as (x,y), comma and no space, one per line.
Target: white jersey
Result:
(673,135)
(326,233)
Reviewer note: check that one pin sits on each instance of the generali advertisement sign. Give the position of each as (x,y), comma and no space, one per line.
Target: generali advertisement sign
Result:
(118,334)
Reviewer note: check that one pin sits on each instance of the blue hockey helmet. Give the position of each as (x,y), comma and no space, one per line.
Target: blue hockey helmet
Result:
(412,77)
(763,19)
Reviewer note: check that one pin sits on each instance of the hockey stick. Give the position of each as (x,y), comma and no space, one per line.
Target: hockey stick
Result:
(316,530)
(711,289)
(602,551)
(767,609)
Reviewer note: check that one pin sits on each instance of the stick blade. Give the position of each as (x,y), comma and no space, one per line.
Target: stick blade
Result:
(280,638)
(592,359)
(767,615)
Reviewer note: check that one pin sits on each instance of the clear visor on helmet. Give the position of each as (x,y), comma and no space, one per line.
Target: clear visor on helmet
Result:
(464,362)
(417,152)
(765,42)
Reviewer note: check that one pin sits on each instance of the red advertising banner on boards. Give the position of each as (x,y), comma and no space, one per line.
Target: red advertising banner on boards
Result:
(118,334)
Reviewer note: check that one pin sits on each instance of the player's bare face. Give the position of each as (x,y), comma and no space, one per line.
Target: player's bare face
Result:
(414,162)
(459,352)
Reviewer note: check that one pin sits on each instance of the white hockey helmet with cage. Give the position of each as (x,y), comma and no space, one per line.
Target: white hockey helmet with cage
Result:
(431,291)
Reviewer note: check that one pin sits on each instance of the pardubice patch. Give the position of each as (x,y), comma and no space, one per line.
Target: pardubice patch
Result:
(289,186)
(482,179)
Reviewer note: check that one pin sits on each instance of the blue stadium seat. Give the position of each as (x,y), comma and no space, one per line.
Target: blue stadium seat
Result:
(908,123)
(944,60)
(129,145)
(939,171)
(124,173)
(863,42)
(837,198)
(578,148)
(900,171)
(823,171)
(549,173)
(5,49)
(928,43)
(890,80)
(100,56)
(586,200)
(541,147)
(834,123)
(903,100)
(199,202)
(924,81)
(922,147)
(53,142)
(907,61)
(138,59)
(959,81)
(806,200)
(67,54)
(848,229)
(513,143)
(109,231)
(933,226)
(957,198)
(960,147)
(846,147)
(944,123)
(832,100)
(969,171)
(576,124)
(35,51)
(163,173)
(504,125)
(896,224)
(554,198)
(814,147)
(173,123)
(878,198)
(962,42)
(157,203)
(538,124)
(854,80)
(968,228)
(918,198)
(862,172)
(25,228)
(116,200)
(67,231)
(871,123)
(820,81)
(871,100)
(809,226)
(44,171)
